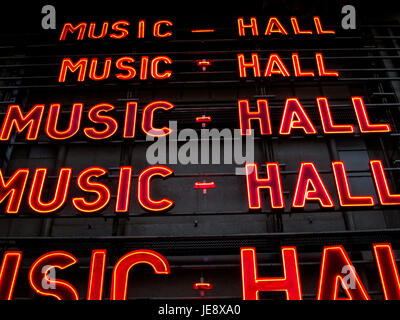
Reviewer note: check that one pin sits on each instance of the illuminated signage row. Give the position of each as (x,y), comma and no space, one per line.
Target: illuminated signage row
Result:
(331,278)
(144,68)
(165,28)
(294,119)
(88,191)
(310,187)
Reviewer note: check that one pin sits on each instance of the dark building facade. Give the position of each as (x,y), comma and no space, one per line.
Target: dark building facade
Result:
(201,235)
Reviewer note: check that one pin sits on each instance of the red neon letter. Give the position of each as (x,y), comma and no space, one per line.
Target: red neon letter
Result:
(321,67)
(252,26)
(62,290)
(121,270)
(67,64)
(308,174)
(343,189)
(144,63)
(96,277)
(92,27)
(60,196)
(362,118)
(8,273)
(154,68)
(121,66)
(296,28)
(252,284)
(297,69)
(141,29)
(15,117)
(326,119)
(318,26)
(272,182)
(334,259)
(273,21)
(262,115)
(294,108)
(147,118)
(14,188)
(381,184)
(253,64)
(93,69)
(387,270)
(130,119)
(74,122)
(94,116)
(156,29)
(144,189)
(116,27)
(103,193)
(69,27)
(273,60)
(124,189)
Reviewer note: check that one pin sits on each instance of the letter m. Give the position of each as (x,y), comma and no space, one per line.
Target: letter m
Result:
(14,189)
(15,117)
(67,64)
(68,27)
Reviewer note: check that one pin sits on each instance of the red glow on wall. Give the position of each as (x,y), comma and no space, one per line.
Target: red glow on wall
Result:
(202,30)
(202,286)
(204,185)
(203,119)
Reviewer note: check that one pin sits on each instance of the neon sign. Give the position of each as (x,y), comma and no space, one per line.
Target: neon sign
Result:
(102,121)
(331,278)
(309,187)
(294,118)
